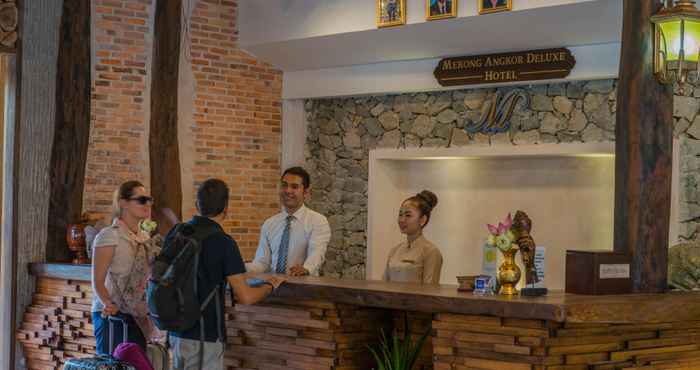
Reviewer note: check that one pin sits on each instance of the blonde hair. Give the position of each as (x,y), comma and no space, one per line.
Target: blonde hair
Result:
(125,191)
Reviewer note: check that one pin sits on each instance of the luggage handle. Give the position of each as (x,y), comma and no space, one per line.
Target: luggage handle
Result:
(125,331)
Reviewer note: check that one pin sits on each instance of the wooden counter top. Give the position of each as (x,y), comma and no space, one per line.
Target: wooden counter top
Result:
(556,306)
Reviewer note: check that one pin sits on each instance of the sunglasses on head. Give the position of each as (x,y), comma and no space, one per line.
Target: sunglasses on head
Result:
(142,199)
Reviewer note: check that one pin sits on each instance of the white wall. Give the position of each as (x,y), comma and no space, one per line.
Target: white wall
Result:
(297,19)
(570,200)
(592,62)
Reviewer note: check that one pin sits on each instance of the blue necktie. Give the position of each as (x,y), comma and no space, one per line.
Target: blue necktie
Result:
(284,248)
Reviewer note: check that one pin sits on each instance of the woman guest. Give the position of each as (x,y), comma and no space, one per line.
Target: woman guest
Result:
(417,259)
(121,256)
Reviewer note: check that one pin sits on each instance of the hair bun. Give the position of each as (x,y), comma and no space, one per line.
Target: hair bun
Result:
(429,197)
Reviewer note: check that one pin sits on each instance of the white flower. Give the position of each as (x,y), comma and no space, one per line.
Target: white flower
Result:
(148,225)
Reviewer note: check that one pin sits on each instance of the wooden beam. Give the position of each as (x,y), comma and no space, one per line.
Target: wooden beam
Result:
(72,127)
(166,183)
(643,149)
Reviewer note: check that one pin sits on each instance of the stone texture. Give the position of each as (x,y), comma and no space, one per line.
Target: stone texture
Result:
(435,143)
(481,139)
(562,104)
(599,86)
(686,107)
(373,127)
(592,133)
(528,137)
(680,126)
(459,138)
(500,139)
(377,110)
(342,131)
(541,102)
(694,129)
(474,100)
(578,121)
(551,124)
(390,139)
(442,102)
(389,120)
(447,116)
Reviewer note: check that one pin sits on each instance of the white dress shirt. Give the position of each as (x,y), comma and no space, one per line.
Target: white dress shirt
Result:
(309,235)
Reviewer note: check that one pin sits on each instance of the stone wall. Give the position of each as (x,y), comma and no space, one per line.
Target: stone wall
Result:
(342,131)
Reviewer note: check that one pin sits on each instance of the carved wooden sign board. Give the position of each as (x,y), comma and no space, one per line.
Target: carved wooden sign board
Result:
(507,67)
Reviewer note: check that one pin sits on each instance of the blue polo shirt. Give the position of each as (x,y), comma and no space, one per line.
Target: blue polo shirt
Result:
(219,257)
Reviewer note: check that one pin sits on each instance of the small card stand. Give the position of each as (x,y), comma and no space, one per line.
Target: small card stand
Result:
(482,285)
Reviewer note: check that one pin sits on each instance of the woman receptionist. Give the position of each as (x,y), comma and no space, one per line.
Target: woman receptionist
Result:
(416,259)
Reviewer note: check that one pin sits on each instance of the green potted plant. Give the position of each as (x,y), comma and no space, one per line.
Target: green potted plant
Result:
(399,353)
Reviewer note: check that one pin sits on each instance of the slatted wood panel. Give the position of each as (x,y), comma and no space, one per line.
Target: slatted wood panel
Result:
(305,335)
(316,335)
(58,324)
(493,343)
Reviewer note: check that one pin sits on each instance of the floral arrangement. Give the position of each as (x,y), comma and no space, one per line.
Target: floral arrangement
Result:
(148,226)
(500,236)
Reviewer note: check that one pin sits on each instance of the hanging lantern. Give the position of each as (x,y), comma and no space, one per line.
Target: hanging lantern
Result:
(676,41)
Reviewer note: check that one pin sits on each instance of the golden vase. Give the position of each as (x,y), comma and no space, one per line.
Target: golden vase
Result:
(509,273)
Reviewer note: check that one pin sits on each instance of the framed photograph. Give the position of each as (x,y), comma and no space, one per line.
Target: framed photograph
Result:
(440,9)
(493,6)
(391,13)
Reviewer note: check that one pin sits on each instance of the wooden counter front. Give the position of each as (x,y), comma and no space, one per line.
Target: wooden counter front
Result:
(321,323)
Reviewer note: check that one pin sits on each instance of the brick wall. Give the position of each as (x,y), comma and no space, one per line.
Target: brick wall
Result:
(236,115)
(237,120)
(117,152)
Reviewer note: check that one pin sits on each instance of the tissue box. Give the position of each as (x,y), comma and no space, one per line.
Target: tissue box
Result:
(596,272)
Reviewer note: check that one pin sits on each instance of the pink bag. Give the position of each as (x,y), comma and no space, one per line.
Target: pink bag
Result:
(132,354)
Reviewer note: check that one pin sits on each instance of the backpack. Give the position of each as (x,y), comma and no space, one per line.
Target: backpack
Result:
(171,291)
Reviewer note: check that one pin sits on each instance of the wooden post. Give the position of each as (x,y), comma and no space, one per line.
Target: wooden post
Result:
(166,183)
(643,153)
(72,127)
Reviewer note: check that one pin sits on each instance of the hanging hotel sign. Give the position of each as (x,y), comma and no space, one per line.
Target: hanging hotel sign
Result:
(507,67)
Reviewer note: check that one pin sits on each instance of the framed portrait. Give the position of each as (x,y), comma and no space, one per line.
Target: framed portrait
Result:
(440,9)
(391,13)
(493,6)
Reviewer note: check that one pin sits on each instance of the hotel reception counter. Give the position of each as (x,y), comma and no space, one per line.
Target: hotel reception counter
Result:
(322,323)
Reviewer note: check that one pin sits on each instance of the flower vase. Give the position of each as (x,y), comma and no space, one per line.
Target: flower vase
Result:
(509,273)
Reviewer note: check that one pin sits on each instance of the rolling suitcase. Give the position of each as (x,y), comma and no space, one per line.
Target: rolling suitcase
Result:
(101,362)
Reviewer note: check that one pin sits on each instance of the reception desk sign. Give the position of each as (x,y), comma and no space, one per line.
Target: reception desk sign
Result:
(507,67)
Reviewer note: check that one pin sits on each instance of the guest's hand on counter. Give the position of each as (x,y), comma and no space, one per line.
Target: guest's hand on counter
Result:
(298,270)
(276,281)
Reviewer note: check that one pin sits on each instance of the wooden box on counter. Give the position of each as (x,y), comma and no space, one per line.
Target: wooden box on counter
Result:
(596,272)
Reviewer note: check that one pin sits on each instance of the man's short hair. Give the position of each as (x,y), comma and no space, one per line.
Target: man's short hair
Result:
(298,171)
(212,198)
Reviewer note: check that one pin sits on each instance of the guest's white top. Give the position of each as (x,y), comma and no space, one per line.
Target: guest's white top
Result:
(309,235)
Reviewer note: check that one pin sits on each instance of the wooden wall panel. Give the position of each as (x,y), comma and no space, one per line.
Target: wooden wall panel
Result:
(643,148)
(163,145)
(39,22)
(72,127)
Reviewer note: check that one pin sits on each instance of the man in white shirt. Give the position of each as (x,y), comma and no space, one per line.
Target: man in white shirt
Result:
(293,241)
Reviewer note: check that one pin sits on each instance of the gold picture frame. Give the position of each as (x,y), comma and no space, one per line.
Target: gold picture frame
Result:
(391,13)
(440,9)
(487,6)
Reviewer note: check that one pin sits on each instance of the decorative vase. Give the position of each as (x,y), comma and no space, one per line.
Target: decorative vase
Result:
(75,237)
(509,273)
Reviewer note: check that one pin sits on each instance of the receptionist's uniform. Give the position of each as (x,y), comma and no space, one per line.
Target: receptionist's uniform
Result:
(417,262)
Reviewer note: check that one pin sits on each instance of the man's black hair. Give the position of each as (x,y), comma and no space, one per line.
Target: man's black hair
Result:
(212,198)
